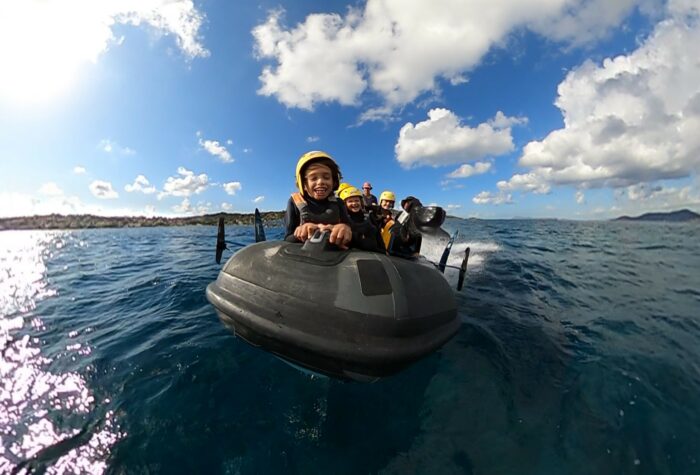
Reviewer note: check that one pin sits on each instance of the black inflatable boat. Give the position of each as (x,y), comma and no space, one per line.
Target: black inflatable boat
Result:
(348,314)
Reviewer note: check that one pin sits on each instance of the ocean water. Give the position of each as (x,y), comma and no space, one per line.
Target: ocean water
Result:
(579,353)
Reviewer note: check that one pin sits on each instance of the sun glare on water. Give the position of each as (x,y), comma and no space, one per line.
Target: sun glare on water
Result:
(34,399)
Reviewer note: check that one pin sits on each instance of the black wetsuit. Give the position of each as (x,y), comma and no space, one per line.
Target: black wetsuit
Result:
(321,212)
(405,241)
(365,235)
(368,201)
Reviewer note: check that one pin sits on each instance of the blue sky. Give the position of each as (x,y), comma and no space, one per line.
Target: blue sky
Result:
(524,108)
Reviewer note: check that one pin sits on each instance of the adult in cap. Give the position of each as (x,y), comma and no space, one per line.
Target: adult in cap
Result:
(368,199)
(409,202)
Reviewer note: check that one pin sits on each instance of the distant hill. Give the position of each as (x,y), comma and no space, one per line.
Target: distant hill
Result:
(87,221)
(682,215)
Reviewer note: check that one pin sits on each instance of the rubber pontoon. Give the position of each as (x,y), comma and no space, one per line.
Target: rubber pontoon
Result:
(348,314)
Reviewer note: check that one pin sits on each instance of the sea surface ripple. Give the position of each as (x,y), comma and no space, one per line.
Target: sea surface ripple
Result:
(579,353)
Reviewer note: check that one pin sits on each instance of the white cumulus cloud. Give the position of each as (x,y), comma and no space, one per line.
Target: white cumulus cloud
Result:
(103,190)
(109,146)
(232,187)
(78,170)
(502,121)
(400,49)
(203,208)
(184,207)
(646,197)
(531,182)
(50,189)
(105,145)
(631,119)
(216,149)
(488,198)
(376,114)
(21,204)
(584,21)
(443,140)
(141,184)
(258,199)
(185,185)
(580,197)
(44,43)
(643,191)
(468,170)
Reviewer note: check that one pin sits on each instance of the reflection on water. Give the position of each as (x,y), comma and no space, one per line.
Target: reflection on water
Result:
(578,349)
(32,397)
(23,269)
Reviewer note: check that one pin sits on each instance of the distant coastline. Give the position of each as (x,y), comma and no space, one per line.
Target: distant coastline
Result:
(89,221)
(681,215)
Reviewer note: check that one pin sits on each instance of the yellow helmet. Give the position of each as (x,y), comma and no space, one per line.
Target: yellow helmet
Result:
(349,192)
(343,186)
(317,156)
(388,196)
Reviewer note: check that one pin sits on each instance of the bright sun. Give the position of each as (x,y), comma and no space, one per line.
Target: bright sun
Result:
(43,44)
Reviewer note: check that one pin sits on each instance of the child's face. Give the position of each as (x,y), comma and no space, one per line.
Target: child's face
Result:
(318,181)
(354,204)
(386,204)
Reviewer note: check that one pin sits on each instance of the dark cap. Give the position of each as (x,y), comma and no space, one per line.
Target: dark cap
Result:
(409,202)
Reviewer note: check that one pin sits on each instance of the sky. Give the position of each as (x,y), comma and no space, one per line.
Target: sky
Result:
(573,109)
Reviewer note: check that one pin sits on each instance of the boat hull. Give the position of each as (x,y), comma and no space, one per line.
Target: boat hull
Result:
(347,314)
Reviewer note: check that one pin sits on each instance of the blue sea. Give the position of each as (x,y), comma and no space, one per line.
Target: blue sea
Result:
(579,353)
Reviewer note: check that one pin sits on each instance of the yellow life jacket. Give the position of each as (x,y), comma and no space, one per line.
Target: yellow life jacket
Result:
(386,233)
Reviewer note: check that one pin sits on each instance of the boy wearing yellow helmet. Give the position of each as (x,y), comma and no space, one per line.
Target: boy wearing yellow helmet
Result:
(365,235)
(315,207)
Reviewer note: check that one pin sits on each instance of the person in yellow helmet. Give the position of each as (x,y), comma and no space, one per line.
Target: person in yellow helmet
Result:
(383,215)
(315,207)
(387,200)
(400,239)
(365,235)
(349,195)
(341,187)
